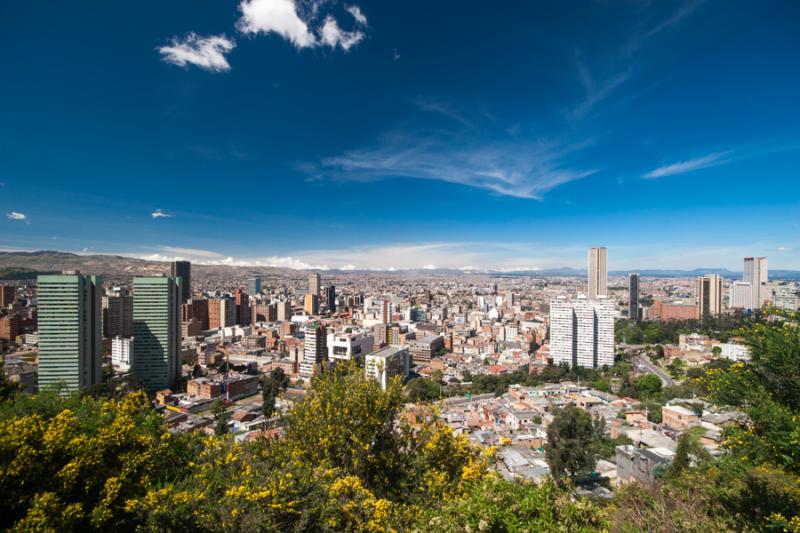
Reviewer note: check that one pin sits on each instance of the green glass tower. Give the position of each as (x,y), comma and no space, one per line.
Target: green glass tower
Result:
(70,331)
(156,331)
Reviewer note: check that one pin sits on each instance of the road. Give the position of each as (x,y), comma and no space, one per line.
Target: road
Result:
(644,361)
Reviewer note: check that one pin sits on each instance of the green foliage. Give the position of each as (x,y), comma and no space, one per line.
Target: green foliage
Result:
(271,386)
(421,390)
(569,443)
(647,386)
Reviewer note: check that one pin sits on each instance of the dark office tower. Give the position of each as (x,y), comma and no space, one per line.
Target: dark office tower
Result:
(7,295)
(331,293)
(633,296)
(243,316)
(254,286)
(183,270)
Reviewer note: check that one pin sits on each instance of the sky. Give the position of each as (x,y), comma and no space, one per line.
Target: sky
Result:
(449,134)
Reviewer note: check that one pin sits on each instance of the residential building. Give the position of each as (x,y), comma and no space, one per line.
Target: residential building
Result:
(422,350)
(9,328)
(314,349)
(642,465)
(346,346)
(633,296)
(386,363)
(666,311)
(157,330)
(221,313)
(785,297)
(121,352)
(741,296)
(598,272)
(582,332)
(284,311)
(756,272)
(183,270)
(7,293)
(679,417)
(70,334)
(709,296)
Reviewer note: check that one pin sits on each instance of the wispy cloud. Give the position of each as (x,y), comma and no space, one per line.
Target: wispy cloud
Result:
(158,213)
(14,215)
(332,35)
(595,92)
(357,14)
(675,18)
(190,252)
(690,165)
(441,108)
(510,168)
(207,53)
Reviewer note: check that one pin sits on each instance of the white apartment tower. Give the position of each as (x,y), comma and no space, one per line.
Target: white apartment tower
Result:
(598,272)
(582,332)
(741,295)
(314,349)
(756,273)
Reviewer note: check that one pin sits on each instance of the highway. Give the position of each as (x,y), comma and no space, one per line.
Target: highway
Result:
(644,361)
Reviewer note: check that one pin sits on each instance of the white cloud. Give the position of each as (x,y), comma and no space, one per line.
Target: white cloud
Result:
(357,14)
(207,53)
(332,35)
(682,167)
(158,213)
(13,215)
(278,16)
(190,252)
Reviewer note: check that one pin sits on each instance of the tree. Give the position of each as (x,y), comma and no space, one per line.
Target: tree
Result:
(569,442)
(647,386)
(271,386)
(220,416)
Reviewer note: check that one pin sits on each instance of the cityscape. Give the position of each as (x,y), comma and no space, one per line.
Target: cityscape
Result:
(309,265)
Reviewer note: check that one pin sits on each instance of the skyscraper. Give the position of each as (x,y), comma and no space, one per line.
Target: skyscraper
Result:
(183,270)
(598,272)
(7,293)
(243,312)
(117,314)
(756,273)
(582,332)
(221,313)
(157,331)
(311,304)
(254,286)
(314,348)
(331,297)
(314,284)
(70,331)
(633,296)
(709,296)
(741,296)
(284,311)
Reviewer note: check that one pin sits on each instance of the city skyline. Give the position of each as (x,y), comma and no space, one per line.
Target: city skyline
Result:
(630,126)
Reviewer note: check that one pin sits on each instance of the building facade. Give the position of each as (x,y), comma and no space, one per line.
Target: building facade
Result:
(709,296)
(386,363)
(582,332)
(157,330)
(598,272)
(183,270)
(314,349)
(756,273)
(633,296)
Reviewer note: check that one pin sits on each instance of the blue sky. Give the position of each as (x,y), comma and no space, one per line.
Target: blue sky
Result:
(403,134)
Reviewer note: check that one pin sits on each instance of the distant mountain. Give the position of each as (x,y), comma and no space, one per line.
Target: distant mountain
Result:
(29,264)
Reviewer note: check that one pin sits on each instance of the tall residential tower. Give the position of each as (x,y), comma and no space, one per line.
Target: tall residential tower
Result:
(756,273)
(598,272)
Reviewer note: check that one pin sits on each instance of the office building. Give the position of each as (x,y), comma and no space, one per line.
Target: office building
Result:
(785,297)
(9,328)
(254,286)
(756,273)
(386,363)
(70,331)
(582,332)
(243,312)
(314,284)
(424,349)
(633,296)
(598,272)
(346,346)
(157,330)
(666,311)
(314,349)
(741,296)
(183,270)
(330,293)
(264,312)
(311,304)
(709,296)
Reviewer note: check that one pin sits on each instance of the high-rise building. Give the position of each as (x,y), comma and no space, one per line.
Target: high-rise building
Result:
(756,272)
(741,296)
(200,311)
(183,270)
(70,331)
(633,296)
(243,313)
(221,313)
(9,328)
(314,348)
(157,330)
(117,314)
(7,293)
(254,286)
(284,311)
(314,284)
(311,304)
(330,292)
(582,332)
(709,296)
(121,352)
(598,272)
